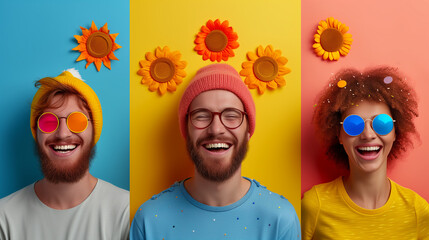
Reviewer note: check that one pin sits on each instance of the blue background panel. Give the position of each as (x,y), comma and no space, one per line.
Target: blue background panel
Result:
(36,42)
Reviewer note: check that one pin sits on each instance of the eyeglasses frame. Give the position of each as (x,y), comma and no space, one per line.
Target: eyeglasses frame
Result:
(213,114)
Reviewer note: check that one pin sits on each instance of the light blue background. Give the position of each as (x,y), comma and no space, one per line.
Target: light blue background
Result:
(35,41)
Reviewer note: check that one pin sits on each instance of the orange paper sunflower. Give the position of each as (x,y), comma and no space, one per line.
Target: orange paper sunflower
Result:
(266,68)
(163,70)
(96,46)
(332,39)
(216,41)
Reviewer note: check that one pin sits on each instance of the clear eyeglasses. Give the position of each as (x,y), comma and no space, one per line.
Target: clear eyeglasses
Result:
(231,118)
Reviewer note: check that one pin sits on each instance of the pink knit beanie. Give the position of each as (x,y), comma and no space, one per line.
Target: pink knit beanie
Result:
(213,77)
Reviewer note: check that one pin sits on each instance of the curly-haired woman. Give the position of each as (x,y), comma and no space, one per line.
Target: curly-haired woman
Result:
(366,121)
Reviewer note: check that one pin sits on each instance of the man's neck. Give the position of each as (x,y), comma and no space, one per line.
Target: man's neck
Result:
(65,195)
(217,194)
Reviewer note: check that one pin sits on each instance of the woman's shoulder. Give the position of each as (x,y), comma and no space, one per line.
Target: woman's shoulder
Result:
(327,187)
(324,192)
(409,196)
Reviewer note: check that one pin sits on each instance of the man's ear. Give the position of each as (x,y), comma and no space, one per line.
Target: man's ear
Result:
(248,130)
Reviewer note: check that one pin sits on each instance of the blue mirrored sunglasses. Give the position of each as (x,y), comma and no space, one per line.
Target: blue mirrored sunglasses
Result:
(354,125)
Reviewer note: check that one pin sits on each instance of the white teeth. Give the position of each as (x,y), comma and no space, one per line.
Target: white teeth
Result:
(64,147)
(368,148)
(216,145)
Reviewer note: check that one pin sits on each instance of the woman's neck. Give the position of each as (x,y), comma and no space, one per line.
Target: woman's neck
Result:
(369,190)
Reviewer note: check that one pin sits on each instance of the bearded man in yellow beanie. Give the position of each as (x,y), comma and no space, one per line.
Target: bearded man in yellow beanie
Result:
(68,203)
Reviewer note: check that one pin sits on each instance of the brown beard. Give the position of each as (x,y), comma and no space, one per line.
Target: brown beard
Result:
(216,174)
(71,174)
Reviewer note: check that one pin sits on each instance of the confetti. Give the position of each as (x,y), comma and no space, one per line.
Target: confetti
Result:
(341,83)
(388,80)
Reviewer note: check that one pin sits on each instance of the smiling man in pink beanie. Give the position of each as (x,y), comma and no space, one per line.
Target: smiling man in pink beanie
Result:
(217,119)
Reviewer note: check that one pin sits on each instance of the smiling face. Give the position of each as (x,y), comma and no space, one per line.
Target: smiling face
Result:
(368,151)
(217,151)
(64,155)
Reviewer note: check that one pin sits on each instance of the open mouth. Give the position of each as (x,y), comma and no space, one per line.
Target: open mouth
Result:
(369,151)
(64,148)
(217,147)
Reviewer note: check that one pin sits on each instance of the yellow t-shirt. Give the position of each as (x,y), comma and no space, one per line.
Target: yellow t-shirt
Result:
(329,213)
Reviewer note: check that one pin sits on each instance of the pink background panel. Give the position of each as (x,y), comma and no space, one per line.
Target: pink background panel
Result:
(384,32)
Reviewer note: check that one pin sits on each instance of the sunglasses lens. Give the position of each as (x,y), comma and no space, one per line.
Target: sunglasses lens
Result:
(382,124)
(48,122)
(77,122)
(353,125)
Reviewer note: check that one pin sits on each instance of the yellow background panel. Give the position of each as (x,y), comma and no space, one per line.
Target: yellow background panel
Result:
(157,150)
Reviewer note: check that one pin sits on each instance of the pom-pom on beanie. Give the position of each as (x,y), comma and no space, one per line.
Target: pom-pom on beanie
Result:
(216,77)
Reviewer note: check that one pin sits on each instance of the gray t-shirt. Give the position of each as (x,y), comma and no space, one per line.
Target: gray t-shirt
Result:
(103,215)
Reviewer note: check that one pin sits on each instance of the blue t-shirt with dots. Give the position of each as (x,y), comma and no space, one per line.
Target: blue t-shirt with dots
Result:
(174,214)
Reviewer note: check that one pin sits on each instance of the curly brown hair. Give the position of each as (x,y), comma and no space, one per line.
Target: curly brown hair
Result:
(372,85)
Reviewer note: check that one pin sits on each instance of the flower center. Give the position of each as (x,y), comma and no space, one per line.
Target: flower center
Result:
(265,68)
(99,44)
(216,41)
(162,70)
(331,40)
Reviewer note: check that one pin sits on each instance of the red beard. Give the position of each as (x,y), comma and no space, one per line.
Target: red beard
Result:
(56,174)
(217,174)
